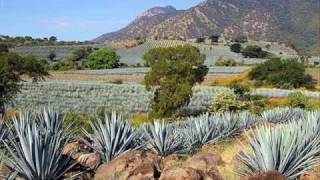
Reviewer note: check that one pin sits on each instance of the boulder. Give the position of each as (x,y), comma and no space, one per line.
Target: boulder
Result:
(133,165)
(311,176)
(5,171)
(169,161)
(200,166)
(77,151)
(182,173)
(274,175)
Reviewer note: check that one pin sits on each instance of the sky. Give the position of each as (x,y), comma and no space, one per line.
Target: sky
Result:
(74,19)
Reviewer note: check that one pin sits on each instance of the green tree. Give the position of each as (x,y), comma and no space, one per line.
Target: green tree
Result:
(279,72)
(254,52)
(236,47)
(12,67)
(103,59)
(174,71)
(52,55)
(4,48)
(53,38)
(297,100)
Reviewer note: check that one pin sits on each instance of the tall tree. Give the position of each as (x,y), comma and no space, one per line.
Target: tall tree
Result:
(174,71)
(12,67)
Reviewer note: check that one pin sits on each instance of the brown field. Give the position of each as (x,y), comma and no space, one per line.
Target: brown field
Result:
(209,79)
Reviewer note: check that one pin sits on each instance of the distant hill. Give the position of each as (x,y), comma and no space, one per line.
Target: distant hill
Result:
(291,21)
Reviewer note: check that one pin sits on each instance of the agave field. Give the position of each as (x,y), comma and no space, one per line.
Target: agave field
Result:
(133,56)
(86,97)
(143,70)
(291,148)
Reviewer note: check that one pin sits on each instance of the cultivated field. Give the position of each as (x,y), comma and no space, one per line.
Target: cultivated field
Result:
(87,96)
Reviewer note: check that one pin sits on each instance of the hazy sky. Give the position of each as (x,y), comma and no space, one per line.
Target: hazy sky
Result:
(74,19)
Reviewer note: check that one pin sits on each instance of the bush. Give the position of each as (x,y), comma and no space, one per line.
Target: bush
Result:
(174,71)
(297,100)
(228,62)
(103,59)
(254,52)
(235,48)
(282,73)
(228,102)
(239,89)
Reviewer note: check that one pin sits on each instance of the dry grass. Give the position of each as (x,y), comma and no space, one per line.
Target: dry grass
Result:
(56,75)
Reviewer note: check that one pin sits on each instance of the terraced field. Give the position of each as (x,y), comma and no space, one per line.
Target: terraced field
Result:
(133,56)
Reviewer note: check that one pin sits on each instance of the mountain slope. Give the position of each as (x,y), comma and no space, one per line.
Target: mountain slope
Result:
(297,21)
(140,27)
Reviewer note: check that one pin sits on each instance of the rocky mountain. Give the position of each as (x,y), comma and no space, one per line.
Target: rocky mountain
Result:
(142,25)
(296,21)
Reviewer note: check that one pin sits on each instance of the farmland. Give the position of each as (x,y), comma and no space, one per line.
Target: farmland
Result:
(133,56)
(87,96)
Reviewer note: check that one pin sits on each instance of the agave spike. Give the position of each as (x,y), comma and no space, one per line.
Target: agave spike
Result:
(292,149)
(162,138)
(111,138)
(34,152)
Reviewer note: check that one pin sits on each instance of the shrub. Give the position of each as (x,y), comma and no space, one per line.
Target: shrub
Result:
(228,102)
(254,52)
(4,48)
(12,67)
(239,89)
(279,73)
(103,59)
(52,55)
(236,48)
(297,100)
(174,71)
(116,81)
(228,62)
(139,119)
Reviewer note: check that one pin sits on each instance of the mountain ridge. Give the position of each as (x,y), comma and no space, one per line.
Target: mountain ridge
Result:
(294,21)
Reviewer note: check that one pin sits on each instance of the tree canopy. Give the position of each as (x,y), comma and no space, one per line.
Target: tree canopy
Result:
(103,59)
(282,73)
(174,71)
(12,67)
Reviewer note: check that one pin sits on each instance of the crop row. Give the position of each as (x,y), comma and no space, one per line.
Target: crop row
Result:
(134,55)
(144,70)
(86,97)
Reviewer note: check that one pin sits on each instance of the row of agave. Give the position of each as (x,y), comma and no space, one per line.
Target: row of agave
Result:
(34,146)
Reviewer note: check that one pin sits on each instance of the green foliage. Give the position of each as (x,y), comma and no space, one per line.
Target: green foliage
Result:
(12,66)
(4,48)
(30,41)
(53,38)
(103,59)
(81,53)
(227,62)
(236,47)
(254,52)
(279,73)
(52,55)
(239,89)
(174,71)
(228,102)
(297,100)
(77,120)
